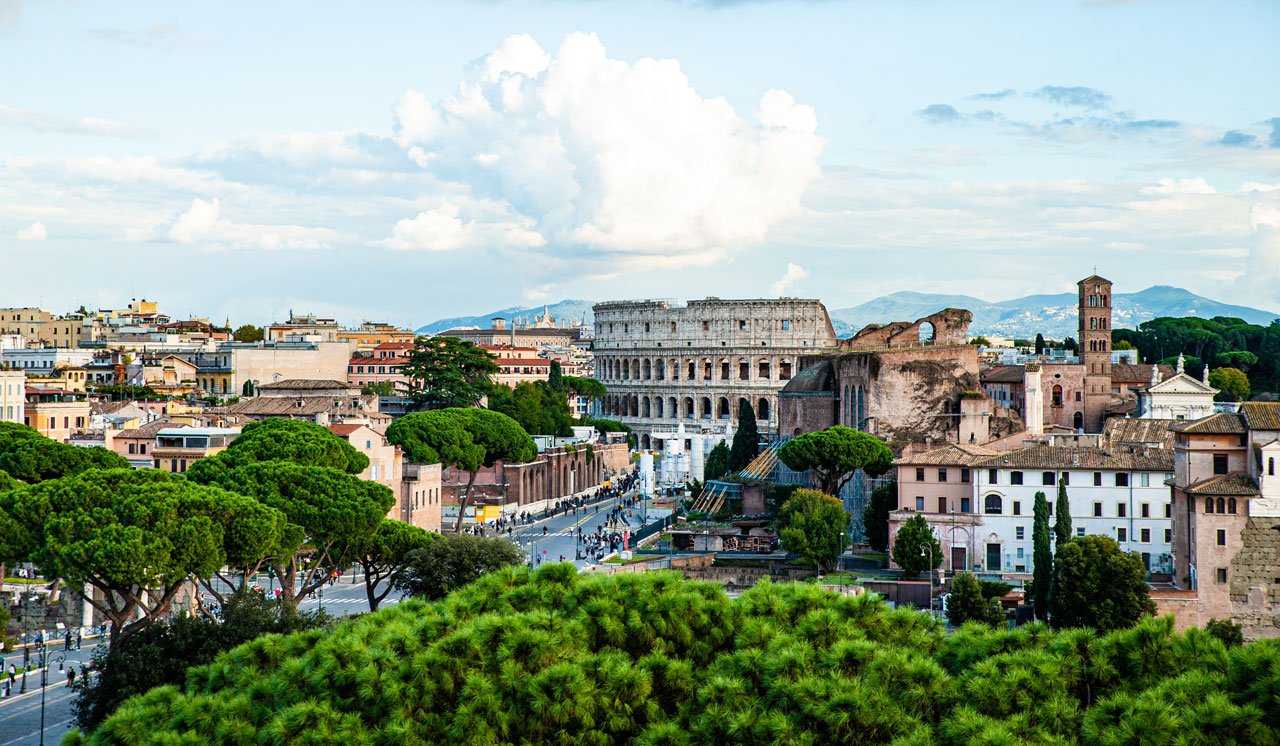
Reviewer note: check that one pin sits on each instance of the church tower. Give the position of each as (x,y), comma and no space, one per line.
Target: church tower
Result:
(1095,351)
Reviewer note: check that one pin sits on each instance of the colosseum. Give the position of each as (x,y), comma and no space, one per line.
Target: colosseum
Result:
(667,364)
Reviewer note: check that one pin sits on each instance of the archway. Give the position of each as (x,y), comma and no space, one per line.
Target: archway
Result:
(644,407)
(1077,420)
(722,408)
(706,408)
(762,409)
(648,371)
(657,406)
(689,412)
(928,335)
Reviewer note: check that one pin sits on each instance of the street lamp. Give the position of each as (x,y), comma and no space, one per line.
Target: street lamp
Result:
(44,684)
(929,568)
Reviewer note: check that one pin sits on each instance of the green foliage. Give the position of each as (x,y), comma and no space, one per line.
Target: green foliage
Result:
(835,454)
(381,388)
(813,525)
(716,464)
(449,372)
(980,341)
(875,518)
(1041,558)
(125,392)
(1097,585)
(1040,345)
(588,388)
(1062,515)
(1228,632)
(384,555)
(968,603)
(462,438)
(1221,342)
(603,426)
(1232,383)
(1123,345)
(555,379)
(538,408)
(160,655)
(122,530)
(915,548)
(448,563)
(28,456)
(558,657)
(248,333)
(746,440)
(279,439)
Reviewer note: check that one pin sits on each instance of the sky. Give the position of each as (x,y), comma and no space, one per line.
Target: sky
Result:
(407,161)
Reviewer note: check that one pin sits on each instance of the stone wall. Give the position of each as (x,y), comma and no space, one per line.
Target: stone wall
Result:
(556,474)
(667,365)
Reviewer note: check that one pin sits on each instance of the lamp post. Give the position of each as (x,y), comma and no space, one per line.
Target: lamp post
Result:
(929,568)
(44,684)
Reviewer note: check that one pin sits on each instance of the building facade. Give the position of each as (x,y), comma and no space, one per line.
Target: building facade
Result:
(695,364)
(13,395)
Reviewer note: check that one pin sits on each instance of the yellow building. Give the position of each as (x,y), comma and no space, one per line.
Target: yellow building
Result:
(372,333)
(13,395)
(41,327)
(56,413)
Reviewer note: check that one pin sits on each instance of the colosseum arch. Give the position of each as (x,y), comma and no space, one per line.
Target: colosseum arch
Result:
(660,371)
(672,411)
(706,408)
(644,406)
(722,408)
(646,370)
(724,369)
(635,369)
(689,412)
(762,409)
(744,369)
(657,406)
(763,368)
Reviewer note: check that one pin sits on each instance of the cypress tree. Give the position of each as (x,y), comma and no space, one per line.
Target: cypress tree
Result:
(556,379)
(1062,523)
(1040,344)
(1042,557)
(746,441)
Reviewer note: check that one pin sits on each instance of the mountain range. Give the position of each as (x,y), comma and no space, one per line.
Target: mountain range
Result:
(1054,316)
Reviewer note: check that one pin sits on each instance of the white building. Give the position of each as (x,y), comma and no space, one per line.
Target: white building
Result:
(1179,397)
(41,361)
(13,390)
(1118,493)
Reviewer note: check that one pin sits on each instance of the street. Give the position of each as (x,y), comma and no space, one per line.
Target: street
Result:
(20,714)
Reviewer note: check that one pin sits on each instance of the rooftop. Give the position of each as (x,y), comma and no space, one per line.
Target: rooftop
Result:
(303,384)
(1261,415)
(1223,423)
(1005,374)
(1225,484)
(950,455)
(1061,458)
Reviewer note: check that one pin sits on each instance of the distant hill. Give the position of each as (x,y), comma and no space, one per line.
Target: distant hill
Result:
(570,310)
(1051,315)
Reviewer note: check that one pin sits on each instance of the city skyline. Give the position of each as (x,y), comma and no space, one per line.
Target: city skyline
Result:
(458,158)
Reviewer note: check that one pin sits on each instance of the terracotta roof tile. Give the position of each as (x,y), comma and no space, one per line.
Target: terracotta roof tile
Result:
(1058,458)
(303,384)
(950,455)
(1124,431)
(1004,374)
(1223,423)
(1126,373)
(1261,415)
(1225,484)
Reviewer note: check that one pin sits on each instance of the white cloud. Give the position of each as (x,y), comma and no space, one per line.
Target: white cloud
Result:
(787,282)
(202,224)
(34,232)
(441,229)
(1196,185)
(614,157)
(85,125)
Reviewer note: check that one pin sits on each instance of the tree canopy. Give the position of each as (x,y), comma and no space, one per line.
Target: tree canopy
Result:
(1232,384)
(1062,515)
(835,454)
(463,438)
(28,456)
(716,464)
(1041,557)
(915,548)
(450,562)
(279,439)
(334,510)
(384,556)
(875,517)
(1097,585)
(588,388)
(650,659)
(448,372)
(1221,342)
(248,333)
(746,439)
(536,406)
(126,531)
(813,525)
(968,603)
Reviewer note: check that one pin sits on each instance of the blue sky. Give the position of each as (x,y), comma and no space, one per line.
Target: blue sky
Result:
(407,161)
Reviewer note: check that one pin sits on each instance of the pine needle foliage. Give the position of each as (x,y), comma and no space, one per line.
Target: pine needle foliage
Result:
(556,657)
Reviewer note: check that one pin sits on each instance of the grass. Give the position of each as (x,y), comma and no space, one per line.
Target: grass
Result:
(871,555)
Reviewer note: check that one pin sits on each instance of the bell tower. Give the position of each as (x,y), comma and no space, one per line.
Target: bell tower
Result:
(1095,349)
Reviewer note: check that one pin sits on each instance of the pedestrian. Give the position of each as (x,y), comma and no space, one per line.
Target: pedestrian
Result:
(71,676)
(79,638)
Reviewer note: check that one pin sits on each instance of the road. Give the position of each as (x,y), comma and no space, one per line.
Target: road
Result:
(20,714)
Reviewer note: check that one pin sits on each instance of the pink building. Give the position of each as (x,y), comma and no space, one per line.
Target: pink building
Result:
(384,363)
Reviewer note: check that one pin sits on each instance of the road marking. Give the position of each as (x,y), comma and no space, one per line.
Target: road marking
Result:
(35,705)
(35,733)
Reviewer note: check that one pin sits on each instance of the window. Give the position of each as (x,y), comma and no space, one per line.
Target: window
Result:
(1146,479)
(993,505)
(1021,552)
(966,505)
(1120,509)
(1080,531)
(1220,574)
(942,475)
(993,476)
(1015,477)
(1122,535)
(1097,510)
(964,476)
(1231,505)
(142,448)
(919,474)
(1271,467)
(133,448)
(1222,537)
(1066,477)
(706,326)
(1208,505)
(1146,510)
(742,325)
(920,504)
(1122,479)
(786,324)
(1047,479)
(1219,463)
(1168,536)
(1017,507)
(1168,510)
(373,472)
(1057,396)
(1019,533)
(942,504)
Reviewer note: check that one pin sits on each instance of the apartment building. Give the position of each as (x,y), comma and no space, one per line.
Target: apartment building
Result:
(13,395)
